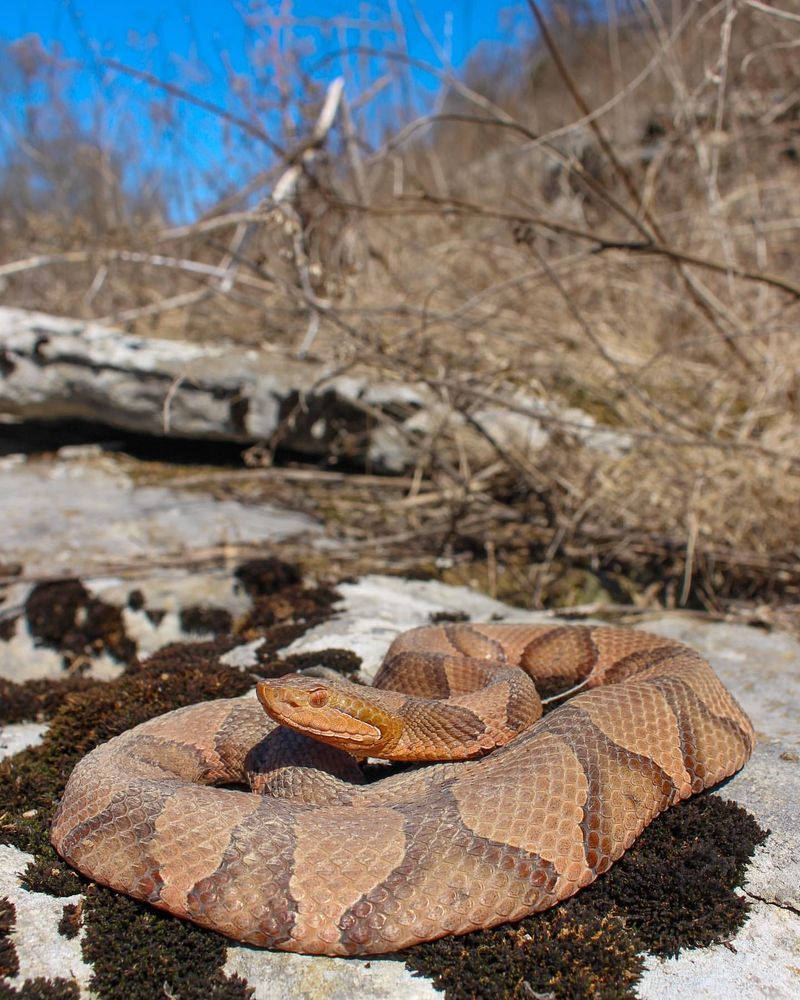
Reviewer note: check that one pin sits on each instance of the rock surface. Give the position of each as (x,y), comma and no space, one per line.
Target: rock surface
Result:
(55,368)
(74,513)
(41,950)
(77,515)
(763,958)
(760,668)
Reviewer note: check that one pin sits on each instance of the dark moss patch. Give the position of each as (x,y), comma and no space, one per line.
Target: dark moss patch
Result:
(8,628)
(53,876)
(9,963)
(673,889)
(30,783)
(261,577)
(64,616)
(676,885)
(297,605)
(71,920)
(198,619)
(180,656)
(343,661)
(260,616)
(445,617)
(35,701)
(275,639)
(51,609)
(131,947)
(569,952)
(136,601)
(41,989)
(177,675)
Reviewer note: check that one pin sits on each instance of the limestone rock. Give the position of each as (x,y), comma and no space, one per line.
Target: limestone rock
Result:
(760,668)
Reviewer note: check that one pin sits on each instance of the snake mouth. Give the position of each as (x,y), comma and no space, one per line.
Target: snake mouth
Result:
(363,738)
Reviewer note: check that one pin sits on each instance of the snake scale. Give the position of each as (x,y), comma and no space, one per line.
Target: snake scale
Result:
(444,849)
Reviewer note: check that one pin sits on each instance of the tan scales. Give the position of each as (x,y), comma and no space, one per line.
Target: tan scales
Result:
(446,849)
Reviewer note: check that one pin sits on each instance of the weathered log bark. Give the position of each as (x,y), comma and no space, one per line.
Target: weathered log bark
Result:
(54,368)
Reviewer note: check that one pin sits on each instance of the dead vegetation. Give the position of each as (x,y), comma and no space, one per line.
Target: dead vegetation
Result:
(602,222)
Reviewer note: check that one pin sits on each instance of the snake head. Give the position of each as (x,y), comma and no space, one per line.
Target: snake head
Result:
(340,717)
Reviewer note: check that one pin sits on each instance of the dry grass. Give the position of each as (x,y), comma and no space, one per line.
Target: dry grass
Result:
(638,263)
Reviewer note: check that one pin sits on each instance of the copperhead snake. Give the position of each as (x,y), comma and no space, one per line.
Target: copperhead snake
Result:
(437,850)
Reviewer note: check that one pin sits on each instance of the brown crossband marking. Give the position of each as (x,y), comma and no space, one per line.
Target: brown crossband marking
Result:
(164,756)
(626,790)
(126,861)
(635,663)
(414,893)
(703,733)
(471,641)
(561,656)
(339,868)
(424,676)
(249,889)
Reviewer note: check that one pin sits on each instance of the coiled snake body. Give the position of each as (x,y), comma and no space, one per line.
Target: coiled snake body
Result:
(342,868)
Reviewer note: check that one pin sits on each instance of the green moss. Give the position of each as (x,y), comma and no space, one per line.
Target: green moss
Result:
(673,889)
(41,989)
(343,661)
(35,701)
(9,964)
(131,947)
(569,952)
(63,615)
(197,618)
(266,576)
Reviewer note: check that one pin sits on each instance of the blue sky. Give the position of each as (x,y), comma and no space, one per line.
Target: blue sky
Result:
(202,46)
(206,23)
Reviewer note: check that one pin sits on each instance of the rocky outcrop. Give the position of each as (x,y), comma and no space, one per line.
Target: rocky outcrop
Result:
(52,368)
(758,961)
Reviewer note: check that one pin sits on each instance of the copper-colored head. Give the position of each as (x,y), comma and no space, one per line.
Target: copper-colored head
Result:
(340,718)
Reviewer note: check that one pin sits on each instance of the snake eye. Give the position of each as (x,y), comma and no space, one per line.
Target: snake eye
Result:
(318,697)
